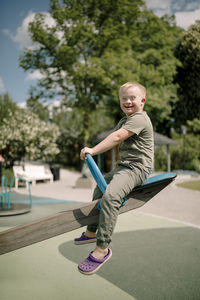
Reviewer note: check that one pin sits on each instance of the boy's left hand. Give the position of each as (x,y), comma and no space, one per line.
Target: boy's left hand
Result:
(84,151)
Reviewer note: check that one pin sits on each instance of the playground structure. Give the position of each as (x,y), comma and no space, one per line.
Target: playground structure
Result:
(8,207)
(66,221)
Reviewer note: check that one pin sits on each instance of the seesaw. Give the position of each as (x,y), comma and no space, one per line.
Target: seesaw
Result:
(65,221)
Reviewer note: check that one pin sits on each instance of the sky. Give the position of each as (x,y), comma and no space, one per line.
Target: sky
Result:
(14,19)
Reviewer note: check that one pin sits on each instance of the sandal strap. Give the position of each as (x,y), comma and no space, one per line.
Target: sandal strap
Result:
(98,260)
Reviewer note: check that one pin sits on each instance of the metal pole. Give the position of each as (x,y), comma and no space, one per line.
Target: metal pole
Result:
(168,160)
(184,130)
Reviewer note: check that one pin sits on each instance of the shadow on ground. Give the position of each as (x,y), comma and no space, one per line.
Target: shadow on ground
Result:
(150,264)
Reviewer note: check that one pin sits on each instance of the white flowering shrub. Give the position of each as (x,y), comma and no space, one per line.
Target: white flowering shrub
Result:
(24,135)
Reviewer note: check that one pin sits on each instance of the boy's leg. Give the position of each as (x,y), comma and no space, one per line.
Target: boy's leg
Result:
(90,234)
(97,194)
(122,183)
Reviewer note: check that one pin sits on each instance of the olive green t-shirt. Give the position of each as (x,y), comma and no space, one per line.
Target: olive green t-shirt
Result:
(137,150)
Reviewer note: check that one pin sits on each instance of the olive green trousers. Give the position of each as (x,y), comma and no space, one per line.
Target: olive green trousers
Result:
(120,182)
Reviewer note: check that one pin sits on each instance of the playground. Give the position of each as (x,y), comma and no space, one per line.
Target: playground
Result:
(155,249)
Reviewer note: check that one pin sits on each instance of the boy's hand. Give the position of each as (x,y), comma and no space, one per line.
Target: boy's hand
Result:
(84,151)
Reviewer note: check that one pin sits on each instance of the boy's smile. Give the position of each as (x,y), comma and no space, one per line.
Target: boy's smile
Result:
(128,109)
(131,101)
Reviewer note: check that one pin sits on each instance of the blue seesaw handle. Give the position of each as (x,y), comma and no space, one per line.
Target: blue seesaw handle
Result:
(96,173)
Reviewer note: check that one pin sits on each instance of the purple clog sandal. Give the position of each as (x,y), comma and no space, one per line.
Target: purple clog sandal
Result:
(91,264)
(84,240)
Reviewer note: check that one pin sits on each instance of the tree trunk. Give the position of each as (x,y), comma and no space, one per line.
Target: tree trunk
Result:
(86,118)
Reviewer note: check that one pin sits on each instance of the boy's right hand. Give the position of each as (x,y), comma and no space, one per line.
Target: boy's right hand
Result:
(84,151)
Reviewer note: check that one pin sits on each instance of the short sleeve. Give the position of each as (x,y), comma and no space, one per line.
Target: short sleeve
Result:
(135,123)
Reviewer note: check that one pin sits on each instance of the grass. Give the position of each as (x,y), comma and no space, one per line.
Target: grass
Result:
(192,185)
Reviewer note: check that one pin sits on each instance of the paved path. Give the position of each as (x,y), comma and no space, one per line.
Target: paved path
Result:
(173,202)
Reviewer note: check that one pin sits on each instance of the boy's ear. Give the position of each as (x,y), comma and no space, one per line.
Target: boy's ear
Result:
(143,100)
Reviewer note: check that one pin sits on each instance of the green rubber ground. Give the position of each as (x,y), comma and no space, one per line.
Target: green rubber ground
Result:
(153,258)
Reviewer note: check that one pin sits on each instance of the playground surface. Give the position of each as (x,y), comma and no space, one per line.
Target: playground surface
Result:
(156,250)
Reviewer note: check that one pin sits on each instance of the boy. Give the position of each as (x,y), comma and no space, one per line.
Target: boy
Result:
(134,133)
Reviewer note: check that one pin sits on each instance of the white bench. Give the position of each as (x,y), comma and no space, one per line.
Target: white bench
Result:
(32,173)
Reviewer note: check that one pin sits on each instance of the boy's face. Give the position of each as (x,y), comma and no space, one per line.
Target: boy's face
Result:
(131,100)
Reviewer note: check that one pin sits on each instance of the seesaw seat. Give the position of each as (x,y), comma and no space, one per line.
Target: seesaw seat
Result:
(156,180)
(151,186)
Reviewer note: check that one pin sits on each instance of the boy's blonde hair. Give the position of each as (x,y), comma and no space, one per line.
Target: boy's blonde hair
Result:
(132,84)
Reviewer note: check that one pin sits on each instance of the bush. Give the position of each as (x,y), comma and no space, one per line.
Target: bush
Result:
(23,135)
(69,143)
(186,156)
(160,159)
(8,173)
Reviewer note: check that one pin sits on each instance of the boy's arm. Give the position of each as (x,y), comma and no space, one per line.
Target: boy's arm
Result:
(112,140)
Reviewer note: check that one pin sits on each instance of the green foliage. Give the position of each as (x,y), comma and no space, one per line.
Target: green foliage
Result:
(158,68)
(188,76)
(6,105)
(186,156)
(99,122)
(192,185)
(69,143)
(8,173)
(36,107)
(153,64)
(193,126)
(70,140)
(160,158)
(94,46)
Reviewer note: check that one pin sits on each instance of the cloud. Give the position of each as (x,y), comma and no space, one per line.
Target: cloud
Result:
(193,5)
(179,5)
(186,18)
(22,37)
(160,8)
(50,72)
(35,75)
(22,105)
(186,13)
(154,4)
(2,88)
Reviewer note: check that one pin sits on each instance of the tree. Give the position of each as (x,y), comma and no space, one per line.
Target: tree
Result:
(6,105)
(194,126)
(38,108)
(187,155)
(23,135)
(188,76)
(152,46)
(94,46)
(70,140)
